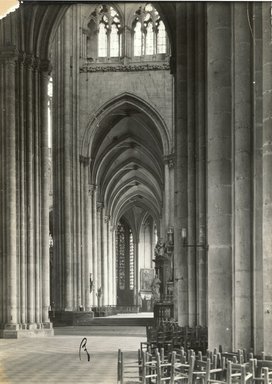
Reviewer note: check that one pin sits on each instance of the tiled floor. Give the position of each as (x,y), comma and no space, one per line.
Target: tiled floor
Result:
(56,359)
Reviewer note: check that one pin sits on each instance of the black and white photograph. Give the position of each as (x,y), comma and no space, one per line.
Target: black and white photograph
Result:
(135,192)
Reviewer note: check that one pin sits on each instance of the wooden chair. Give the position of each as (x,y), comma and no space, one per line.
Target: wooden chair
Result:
(142,371)
(205,373)
(241,373)
(181,372)
(262,371)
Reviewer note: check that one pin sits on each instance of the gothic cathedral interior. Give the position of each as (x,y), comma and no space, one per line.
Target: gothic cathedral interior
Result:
(136,142)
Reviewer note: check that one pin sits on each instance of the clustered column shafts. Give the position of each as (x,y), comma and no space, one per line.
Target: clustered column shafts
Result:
(89,240)
(72,244)
(190,200)
(95,256)
(21,159)
(99,282)
(110,263)
(181,268)
(26,208)
(191,151)
(44,193)
(219,174)
(242,281)
(2,200)
(67,150)
(30,191)
(36,189)
(257,119)
(201,253)
(10,176)
(267,175)
(105,261)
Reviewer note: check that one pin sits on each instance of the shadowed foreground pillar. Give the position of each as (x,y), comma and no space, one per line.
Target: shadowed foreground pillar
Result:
(219,125)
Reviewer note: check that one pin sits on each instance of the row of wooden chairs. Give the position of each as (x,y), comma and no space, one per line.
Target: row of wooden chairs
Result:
(184,367)
(169,335)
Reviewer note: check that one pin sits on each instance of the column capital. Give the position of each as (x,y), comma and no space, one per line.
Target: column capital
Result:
(107,219)
(84,160)
(99,206)
(8,53)
(45,66)
(91,189)
(29,60)
(170,160)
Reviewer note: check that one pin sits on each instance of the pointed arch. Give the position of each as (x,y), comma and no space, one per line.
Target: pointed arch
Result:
(124,100)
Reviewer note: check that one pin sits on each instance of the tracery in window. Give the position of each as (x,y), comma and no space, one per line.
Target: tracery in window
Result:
(149,32)
(108,35)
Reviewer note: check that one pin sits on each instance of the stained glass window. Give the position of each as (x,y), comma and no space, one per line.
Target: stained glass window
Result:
(131,261)
(121,257)
(125,255)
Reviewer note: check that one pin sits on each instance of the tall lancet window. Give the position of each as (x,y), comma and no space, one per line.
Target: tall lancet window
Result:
(161,37)
(138,40)
(102,40)
(114,41)
(149,43)
(125,264)
(149,33)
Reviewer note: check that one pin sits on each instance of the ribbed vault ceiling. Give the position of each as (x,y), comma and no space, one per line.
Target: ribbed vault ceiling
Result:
(127,163)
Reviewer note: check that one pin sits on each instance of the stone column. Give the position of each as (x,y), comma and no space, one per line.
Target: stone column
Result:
(166,202)
(257,100)
(181,199)
(267,176)
(30,192)
(44,193)
(219,177)
(67,165)
(89,240)
(105,260)
(191,150)
(95,258)
(84,259)
(2,200)
(37,190)
(99,239)
(22,186)
(110,263)
(242,231)
(114,266)
(9,116)
(201,253)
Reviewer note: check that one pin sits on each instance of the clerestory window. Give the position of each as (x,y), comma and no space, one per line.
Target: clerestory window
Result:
(149,34)
(104,33)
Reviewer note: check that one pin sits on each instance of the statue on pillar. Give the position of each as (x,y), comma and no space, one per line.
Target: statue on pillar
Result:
(155,288)
(159,249)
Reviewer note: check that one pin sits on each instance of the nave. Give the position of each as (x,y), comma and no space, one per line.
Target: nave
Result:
(56,360)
